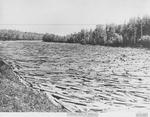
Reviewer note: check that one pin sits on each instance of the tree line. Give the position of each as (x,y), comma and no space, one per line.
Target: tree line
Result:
(134,33)
(18,35)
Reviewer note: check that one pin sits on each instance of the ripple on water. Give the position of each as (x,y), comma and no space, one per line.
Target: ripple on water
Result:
(84,78)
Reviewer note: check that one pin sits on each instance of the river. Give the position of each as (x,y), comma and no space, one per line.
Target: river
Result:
(83,78)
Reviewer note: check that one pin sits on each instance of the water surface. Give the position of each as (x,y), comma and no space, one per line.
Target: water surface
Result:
(83,77)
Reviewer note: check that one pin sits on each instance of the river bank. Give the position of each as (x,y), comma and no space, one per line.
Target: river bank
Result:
(16,97)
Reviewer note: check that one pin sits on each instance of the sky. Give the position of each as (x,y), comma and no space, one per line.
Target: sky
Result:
(67,16)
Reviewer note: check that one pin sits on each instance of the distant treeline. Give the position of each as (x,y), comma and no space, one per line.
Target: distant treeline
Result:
(134,33)
(18,35)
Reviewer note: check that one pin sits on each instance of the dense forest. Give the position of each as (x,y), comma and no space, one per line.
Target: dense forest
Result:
(18,35)
(136,32)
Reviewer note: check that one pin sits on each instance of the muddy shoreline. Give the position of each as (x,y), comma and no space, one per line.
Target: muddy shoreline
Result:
(15,96)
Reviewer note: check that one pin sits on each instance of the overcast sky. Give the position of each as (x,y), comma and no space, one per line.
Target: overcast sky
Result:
(67,15)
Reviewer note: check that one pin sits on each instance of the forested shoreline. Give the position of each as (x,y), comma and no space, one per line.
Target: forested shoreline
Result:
(134,33)
(18,35)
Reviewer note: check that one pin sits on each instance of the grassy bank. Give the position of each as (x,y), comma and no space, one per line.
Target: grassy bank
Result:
(16,97)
